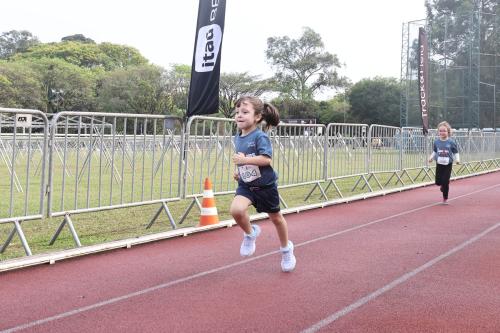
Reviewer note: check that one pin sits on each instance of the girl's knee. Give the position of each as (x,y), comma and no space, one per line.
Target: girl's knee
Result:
(277,218)
(237,211)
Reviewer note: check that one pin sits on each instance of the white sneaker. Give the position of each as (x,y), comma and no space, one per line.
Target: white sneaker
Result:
(248,245)
(288,260)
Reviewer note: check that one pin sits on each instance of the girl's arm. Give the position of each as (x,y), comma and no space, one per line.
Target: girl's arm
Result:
(454,150)
(434,151)
(431,158)
(259,160)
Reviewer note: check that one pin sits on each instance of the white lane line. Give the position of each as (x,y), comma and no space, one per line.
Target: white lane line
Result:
(131,295)
(362,301)
(215,270)
(391,217)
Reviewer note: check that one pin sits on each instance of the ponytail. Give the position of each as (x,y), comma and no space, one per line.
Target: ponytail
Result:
(268,112)
(271,115)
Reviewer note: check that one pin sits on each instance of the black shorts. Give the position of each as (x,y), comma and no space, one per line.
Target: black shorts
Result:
(264,199)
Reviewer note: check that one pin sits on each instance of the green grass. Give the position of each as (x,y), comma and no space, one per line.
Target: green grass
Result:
(100,184)
(105,226)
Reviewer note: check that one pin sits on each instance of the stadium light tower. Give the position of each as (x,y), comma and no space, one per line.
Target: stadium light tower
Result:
(494,102)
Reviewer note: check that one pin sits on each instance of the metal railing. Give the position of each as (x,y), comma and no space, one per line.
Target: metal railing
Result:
(101,161)
(23,157)
(111,161)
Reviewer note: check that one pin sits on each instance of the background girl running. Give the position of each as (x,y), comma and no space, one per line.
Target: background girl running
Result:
(445,152)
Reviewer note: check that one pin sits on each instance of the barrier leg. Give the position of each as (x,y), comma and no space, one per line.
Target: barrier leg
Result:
(283,201)
(17,229)
(323,193)
(167,211)
(66,220)
(195,201)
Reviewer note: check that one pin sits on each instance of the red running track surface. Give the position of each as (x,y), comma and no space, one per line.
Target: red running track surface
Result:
(397,263)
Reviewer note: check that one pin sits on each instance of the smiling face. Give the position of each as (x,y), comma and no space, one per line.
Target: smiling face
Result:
(245,117)
(443,132)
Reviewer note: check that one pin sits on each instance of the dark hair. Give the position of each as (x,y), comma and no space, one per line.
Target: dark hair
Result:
(268,111)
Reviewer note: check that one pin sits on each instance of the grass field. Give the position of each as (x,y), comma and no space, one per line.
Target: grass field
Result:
(105,226)
(94,174)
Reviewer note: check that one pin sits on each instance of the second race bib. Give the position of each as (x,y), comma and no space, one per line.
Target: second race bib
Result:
(443,160)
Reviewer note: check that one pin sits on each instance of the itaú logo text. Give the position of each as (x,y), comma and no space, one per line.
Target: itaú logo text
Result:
(207,47)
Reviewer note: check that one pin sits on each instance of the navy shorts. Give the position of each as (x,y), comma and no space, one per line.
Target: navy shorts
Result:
(264,199)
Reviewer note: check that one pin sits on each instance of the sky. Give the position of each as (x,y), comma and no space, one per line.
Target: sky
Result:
(164,31)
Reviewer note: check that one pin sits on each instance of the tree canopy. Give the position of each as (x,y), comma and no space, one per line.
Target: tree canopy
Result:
(77,38)
(81,75)
(20,86)
(375,101)
(136,89)
(303,66)
(464,38)
(106,55)
(14,41)
(234,85)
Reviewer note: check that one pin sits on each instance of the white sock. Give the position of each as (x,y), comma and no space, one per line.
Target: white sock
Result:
(252,234)
(286,248)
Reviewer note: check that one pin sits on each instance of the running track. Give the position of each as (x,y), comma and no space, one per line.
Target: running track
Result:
(397,263)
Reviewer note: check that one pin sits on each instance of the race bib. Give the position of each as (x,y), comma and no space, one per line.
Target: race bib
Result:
(443,160)
(249,173)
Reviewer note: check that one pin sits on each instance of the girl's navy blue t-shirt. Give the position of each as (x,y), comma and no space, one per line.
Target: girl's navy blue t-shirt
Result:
(253,144)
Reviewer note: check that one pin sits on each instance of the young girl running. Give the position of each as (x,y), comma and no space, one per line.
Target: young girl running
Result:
(256,178)
(445,152)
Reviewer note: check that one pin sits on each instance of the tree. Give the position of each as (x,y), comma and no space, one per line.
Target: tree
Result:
(15,41)
(177,80)
(106,55)
(303,67)
(336,110)
(464,39)
(296,109)
(20,86)
(136,89)
(64,82)
(77,38)
(234,85)
(375,101)
(122,55)
(453,27)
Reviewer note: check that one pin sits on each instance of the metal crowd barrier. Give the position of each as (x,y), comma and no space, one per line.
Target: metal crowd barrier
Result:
(297,156)
(384,155)
(101,161)
(110,161)
(23,146)
(346,151)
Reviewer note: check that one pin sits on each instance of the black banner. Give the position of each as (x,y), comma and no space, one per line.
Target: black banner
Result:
(205,72)
(423,70)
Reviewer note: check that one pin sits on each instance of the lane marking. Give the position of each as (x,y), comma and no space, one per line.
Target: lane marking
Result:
(390,217)
(403,278)
(218,269)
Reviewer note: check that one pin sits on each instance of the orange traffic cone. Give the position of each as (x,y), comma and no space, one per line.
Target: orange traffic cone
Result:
(208,210)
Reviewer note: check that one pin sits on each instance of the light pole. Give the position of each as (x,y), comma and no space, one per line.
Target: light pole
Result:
(494,102)
(344,104)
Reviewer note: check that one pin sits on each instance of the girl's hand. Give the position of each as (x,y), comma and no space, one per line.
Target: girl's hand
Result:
(430,160)
(239,158)
(236,175)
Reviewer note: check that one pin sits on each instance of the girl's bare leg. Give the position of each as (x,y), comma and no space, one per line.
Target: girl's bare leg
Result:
(239,211)
(281,227)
